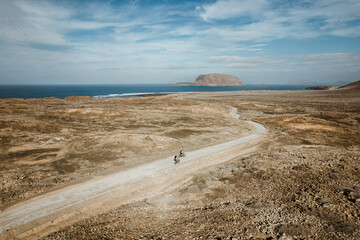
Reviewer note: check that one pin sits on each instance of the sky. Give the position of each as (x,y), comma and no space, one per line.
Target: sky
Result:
(125,42)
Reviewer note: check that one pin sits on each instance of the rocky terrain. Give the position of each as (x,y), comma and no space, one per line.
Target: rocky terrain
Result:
(50,143)
(279,194)
(304,184)
(322,88)
(213,79)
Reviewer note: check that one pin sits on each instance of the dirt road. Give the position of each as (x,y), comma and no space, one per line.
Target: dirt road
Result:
(150,180)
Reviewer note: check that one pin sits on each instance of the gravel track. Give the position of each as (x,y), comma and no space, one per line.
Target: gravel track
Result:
(164,170)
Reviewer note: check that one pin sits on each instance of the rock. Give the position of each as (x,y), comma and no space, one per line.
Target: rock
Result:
(213,79)
(320,88)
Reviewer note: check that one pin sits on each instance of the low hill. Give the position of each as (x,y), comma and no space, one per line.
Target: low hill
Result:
(213,79)
(321,88)
(353,85)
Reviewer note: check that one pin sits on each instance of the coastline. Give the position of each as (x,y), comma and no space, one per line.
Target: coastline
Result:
(123,91)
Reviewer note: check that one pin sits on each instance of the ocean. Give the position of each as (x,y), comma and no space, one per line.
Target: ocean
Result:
(122,90)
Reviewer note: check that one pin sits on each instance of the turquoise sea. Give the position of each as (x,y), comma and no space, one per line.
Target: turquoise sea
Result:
(122,90)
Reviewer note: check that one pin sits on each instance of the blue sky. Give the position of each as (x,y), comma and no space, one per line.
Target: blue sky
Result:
(259,41)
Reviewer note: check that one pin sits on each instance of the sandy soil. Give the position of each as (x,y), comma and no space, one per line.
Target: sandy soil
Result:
(303,183)
(150,179)
(47,144)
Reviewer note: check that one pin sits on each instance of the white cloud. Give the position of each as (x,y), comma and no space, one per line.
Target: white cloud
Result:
(327,62)
(43,9)
(264,22)
(246,62)
(350,31)
(332,61)
(225,9)
(20,21)
(43,39)
(260,32)
(46,23)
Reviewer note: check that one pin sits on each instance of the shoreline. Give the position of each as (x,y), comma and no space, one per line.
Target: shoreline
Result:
(194,89)
(126,91)
(144,95)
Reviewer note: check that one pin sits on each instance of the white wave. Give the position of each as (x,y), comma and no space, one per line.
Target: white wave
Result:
(128,94)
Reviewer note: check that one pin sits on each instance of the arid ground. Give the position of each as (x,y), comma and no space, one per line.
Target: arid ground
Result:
(302,183)
(48,143)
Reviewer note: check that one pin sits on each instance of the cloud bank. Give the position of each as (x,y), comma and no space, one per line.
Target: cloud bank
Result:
(259,41)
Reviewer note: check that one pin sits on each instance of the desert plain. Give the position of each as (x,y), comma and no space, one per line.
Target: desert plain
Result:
(302,181)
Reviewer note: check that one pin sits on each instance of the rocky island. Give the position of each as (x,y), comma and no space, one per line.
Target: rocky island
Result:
(213,79)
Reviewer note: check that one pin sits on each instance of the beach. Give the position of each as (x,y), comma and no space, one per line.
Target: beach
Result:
(300,181)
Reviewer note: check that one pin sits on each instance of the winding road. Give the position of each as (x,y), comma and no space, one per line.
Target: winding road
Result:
(134,184)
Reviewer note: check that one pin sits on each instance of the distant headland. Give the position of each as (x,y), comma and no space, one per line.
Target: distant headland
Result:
(353,85)
(213,79)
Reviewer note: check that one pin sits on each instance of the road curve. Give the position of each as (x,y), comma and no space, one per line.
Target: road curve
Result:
(52,203)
